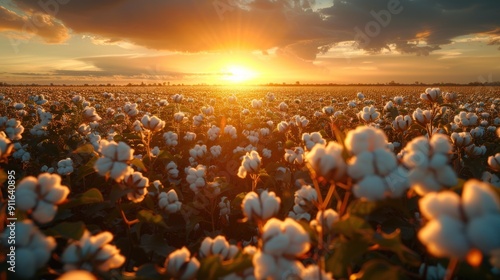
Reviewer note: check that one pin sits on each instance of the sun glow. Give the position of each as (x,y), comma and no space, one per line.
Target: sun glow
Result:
(238,74)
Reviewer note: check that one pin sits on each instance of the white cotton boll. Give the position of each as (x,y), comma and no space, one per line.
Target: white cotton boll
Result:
(213,133)
(330,216)
(261,207)
(490,178)
(423,181)
(433,205)
(266,153)
(250,164)
(364,139)
(479,199)
(440,143)
(327,161)
(384,161)
(216,151)
(361,165)
(180,265)
(256,104)
(190,136)
(445,237)
(461,139)
(422,117)
(310,140)
(494,162)
(371,188)
(313,272)
(483,232)
(231,131)
(282,127)
(65,166)
(438,161)
(44,212)
(26,193)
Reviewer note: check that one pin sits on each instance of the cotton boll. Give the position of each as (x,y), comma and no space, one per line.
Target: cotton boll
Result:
(483,232)
(370,188)
(445,237)
(364,139)
(180,265)
(327,161)
(384,161)
(361,165)
(446,176)
(478,199)
(490,178)
(494,162)
(423,181)
(434,205)
(313,272)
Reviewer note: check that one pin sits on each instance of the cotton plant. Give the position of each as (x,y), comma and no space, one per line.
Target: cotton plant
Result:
(427,160)
(12,128)
(32,248)
(153,124)
(136,183)
(6,147)
(372,166)
(304,202)
(311,139)
(295,156)
(171,138)
(283,242)
(180,265)
(458,224)
(114,160)
(65,166)
(90,115)
(92,253)
(196,177)
(260,208)
(494,162)
(169,201)
(250,164)
(213,133)
(369,114)
(230,131)
(327,161)
(39,196)
(217,246)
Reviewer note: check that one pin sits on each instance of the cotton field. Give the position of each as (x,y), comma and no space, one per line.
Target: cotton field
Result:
(283,182)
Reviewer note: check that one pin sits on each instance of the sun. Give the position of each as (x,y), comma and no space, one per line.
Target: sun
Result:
(238,74)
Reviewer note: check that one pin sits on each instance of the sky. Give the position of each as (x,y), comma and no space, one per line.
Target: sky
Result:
(249,41)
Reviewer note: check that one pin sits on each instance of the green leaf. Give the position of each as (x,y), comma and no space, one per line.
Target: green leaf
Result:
(345,254)
(148,216)
(137,162)
(155,243)
(85,149)
(379,269)
(91,196)
(392,242)
(86,169)
(353,227)
(361,208)
(67,230)
(214,268)
(165,155)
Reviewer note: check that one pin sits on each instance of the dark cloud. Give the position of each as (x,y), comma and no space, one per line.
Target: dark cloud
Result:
(291,25)
(39,24)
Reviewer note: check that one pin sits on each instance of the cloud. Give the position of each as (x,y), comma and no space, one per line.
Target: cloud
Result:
(293,26)
(39,24)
